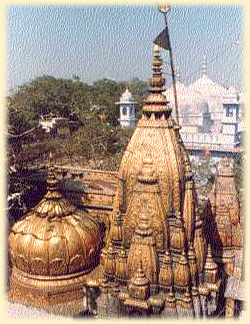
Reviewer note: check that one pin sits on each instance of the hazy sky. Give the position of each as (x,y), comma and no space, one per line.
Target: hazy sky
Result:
(115,42)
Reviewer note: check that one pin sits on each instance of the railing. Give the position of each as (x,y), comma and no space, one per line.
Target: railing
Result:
(208,139)
(89,174)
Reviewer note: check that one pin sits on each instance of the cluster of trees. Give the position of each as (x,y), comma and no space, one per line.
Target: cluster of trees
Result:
(100,138)
(70,98)
(99,141)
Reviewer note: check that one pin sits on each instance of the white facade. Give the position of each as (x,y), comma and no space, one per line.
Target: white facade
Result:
(230,118)
(193,110)
(209,114)
(127,110)
(48,122)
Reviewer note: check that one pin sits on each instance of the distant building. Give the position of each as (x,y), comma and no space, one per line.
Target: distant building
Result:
(212,93)
(194,115)
(127,109)
(230,118)
(54,125)
(210,116)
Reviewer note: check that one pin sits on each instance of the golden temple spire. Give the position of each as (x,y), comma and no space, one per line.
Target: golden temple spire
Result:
(181,271)
(121,267)
(110,265)
(143,248)
(177,236)
(192,265)
(116,228)
(156,102)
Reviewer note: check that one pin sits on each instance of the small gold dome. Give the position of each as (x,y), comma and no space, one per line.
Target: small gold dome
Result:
(54,239)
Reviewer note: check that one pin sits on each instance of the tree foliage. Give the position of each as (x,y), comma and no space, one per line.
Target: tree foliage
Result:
(99,140)
(68,98)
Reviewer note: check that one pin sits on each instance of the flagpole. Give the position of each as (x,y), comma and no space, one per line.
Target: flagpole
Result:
(165,10)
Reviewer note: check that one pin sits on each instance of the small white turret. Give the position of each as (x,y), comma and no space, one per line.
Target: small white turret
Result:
(127,106)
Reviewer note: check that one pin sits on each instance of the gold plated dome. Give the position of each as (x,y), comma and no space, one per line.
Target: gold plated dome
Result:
(53,244)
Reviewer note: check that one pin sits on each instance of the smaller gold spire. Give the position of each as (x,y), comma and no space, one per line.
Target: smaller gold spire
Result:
(166,272)
(211,268)
(181,271)
(177,236)
(121,265)
(191,256)
(116,228)
(110,265)
(139,284)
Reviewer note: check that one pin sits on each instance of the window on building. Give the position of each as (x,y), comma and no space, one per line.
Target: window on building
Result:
(230,112)
(124,111)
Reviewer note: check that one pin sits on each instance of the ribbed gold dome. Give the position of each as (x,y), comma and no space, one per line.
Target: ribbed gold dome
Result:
(54,239)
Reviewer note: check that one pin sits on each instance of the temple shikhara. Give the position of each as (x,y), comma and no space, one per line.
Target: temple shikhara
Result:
(136,242)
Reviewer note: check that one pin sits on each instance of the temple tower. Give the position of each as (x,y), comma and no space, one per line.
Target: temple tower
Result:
(155,248)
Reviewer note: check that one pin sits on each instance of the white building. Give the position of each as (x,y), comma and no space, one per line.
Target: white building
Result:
(193,109)
(210,116)
(213,94)
(127,109)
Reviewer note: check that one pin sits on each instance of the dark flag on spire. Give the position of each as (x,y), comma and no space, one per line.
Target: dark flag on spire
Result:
(162,40)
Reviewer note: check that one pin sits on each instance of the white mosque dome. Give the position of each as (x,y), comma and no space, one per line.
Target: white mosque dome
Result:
(210,91)
(191,104)
(207,87)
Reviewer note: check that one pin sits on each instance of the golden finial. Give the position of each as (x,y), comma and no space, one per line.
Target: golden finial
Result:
(164,8)
(156,50)
(156,100)
(51,179)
